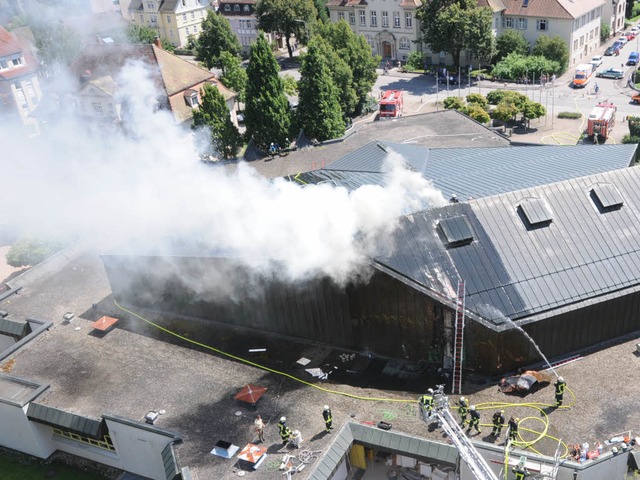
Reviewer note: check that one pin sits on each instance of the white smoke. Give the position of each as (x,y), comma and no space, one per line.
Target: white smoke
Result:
(150,190)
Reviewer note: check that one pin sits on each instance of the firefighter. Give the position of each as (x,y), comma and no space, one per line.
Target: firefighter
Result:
(426,405)
(560,386)
(513,428)
(474,422)
(463,410)
(285,432)
(521,472)
(498,423)
(326,414)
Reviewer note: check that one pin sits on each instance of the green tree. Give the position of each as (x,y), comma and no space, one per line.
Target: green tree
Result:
(57,46)
(233,75)
(477,99)
(266,106)
(605,31)
(510,41)
(506,110)
(319,112)
(531,110)
(477,113)
(214,114)
(323,11)
(146,35)
(453,103)
(415,61)
(455,25)
(356,52)
(628,10)
(288,18)
(30,252)
(342,77)
(216,37)
(515,66)
(552,48)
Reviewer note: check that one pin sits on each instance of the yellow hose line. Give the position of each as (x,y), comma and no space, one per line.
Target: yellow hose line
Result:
(257,365)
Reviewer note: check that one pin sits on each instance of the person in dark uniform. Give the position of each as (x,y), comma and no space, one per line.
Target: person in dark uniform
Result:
(513,429)
(560,387)
(285,432)
(474,421)
(326,414)
(463,410)
(521,472)
(498,423)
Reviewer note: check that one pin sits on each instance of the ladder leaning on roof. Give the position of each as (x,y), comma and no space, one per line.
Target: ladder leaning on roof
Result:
(477,464)
(458,344)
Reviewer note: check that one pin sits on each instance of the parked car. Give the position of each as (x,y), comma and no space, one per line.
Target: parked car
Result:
(623,40)
(635,98)
(596,61)
(618,45)
(633,58)
(610,73)
(635,30)
(612,50)
(630,35)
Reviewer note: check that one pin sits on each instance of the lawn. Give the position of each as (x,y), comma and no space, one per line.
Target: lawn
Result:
(34,469)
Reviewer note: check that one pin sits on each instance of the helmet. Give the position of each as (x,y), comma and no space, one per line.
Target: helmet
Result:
(283,419)
(501,411)
(560,379)
(517,419)
(326,407)
(430,390)
(473,407)
(614,450)
(462,399)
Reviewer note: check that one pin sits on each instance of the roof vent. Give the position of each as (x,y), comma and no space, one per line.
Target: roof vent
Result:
(525,3)
(606,197)
(456,231)
(535,212)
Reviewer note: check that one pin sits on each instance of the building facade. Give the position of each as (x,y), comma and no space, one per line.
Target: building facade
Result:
(177,21)
(391,28)
(20,91)
(613,12)
(243,21)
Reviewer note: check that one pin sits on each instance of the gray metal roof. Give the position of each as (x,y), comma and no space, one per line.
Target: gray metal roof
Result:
(517,270)
(12,327)
(87,427)
(391,442)
(476,172)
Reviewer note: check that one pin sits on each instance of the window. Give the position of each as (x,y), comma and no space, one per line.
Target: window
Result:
(369,39)
(374,19)
(150,5)
(154,19)
(16,62)
(3,64)
(187,30)
(248,23)
(543,25)
(575,44)
(195,29)
(247,8)
(201,14)
(340,16)
(408,20)
(171,33)
(236,8)
(597,32)
(168,18)
(385,19)
(97,108)
(142,18)
(522,24)
(405,44)
(396,19)
(363,18)
(508,22)
(581,40)
(352,18)
(193,15)
(227,8)
(184,17)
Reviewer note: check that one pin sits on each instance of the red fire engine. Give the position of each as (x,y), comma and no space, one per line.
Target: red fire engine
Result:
(601,120)
(392,104)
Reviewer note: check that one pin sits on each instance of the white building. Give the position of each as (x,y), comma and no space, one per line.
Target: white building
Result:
(614,11)
(243,21)
(390,27)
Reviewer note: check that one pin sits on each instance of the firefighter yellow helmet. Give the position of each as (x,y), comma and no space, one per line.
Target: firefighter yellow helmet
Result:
(501,411)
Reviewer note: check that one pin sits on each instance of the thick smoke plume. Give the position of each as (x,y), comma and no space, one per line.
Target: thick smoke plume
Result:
(145,191)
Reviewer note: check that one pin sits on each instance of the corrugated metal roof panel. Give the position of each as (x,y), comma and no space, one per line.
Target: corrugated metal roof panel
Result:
(54,417)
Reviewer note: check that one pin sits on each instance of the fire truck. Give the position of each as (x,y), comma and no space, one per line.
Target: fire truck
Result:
(601,120)
(391,104)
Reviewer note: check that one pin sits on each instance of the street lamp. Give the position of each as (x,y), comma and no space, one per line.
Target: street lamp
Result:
(306,27)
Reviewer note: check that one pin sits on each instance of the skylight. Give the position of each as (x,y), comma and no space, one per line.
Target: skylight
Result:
(606,196)
(535,211)
(456,230)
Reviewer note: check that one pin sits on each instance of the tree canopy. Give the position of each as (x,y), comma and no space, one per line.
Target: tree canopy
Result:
(323,11)
(356,52)
(455,25)
(266,106)
(57,46)
(510,41)
(216,37)
(319,112)
(553,48)
(146,35)
(233,75)
(214,114)
(515,66)
(287,17)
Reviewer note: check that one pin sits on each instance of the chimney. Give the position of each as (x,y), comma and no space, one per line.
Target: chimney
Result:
(157,42)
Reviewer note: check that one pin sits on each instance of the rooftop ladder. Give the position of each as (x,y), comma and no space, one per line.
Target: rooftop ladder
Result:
(476,462)
(458,344)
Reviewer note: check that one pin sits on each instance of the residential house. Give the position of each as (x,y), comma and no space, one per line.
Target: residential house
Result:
(244,23)
(390,27)
(613,14)
(179,82)
(20,91)
(177,21)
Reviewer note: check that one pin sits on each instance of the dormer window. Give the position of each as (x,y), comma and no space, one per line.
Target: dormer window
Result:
(247,8)
(227,8)
(236,8)
(191,97)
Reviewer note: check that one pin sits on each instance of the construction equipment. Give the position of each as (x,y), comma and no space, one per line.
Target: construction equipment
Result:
(391,104)
(601,120)
(458,344)
(477,464)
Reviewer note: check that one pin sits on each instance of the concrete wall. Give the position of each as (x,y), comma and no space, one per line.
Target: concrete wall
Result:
(18,433)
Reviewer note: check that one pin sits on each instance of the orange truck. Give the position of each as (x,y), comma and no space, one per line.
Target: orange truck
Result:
(601,120)
(582,75)
(391,104)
